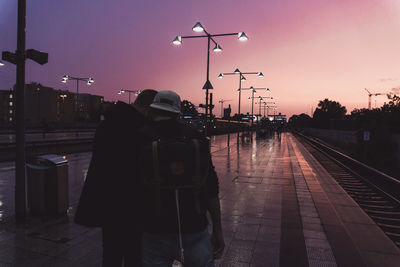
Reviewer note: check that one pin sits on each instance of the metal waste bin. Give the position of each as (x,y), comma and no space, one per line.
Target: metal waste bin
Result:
(47,182)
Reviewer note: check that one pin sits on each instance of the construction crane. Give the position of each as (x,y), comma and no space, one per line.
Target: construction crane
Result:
(222,105)
(374,94)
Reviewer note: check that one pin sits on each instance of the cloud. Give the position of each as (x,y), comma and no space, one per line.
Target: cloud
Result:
(388,79)
(396,89)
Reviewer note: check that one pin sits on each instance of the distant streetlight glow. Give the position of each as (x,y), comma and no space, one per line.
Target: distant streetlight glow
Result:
(1,63)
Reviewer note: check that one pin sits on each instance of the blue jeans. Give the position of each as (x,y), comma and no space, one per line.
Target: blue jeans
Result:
(162,249)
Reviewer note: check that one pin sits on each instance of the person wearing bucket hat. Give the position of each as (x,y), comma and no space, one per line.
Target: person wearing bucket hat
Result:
(180,186)
(168,101)
(109,198)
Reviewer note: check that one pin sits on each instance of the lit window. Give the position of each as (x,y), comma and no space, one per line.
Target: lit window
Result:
(11,111)
(10,119)
(11,96)
(11,104)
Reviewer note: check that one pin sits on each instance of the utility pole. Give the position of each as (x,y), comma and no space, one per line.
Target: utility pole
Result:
(20,190)
(18,58)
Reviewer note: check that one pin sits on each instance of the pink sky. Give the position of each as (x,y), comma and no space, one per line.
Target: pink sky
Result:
(307,50)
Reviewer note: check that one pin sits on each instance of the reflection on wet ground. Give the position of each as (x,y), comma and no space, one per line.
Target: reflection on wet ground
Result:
(279,208)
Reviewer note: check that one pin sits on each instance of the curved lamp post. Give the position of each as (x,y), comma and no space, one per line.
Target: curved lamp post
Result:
(136,92)
(241,78)
(217,48)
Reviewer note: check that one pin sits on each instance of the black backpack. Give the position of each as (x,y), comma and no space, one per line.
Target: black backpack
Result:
(173,162)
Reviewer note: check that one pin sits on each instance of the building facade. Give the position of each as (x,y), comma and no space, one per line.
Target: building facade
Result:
(46,105)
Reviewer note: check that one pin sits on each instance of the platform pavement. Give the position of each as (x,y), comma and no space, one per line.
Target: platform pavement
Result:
(279,208)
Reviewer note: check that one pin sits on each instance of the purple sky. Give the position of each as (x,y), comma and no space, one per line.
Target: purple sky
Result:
(307,50)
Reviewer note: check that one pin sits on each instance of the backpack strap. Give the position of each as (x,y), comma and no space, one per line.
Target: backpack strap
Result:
(157,179)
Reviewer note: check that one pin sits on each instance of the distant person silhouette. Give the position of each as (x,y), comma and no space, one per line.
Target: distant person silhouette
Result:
(110,197)
(179,186)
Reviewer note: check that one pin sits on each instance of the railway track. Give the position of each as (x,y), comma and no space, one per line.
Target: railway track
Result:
(375,192)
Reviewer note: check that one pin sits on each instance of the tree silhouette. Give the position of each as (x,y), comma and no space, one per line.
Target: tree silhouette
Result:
(300,121)
(328,110)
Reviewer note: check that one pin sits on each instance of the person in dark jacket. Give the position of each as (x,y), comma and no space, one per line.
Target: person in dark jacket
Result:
(168,241)
(108,198)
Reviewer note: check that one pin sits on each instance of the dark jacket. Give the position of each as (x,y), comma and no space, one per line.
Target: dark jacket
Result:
(108,195)
(166,221)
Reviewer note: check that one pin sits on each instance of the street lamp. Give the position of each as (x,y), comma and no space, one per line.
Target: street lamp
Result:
(62,112)
(262,101)
(89,81)
(210,37)
(1,63)
(253,91)
(268,107)
(241,78)
(136,92)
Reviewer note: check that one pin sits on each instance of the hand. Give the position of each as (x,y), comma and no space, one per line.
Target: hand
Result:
(218,244)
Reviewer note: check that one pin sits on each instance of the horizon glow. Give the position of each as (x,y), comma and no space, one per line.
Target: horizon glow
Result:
(308,50)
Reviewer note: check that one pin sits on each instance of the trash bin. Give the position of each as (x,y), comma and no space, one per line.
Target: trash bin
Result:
(47,182)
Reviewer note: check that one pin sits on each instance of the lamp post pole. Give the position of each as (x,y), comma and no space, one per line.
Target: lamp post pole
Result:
(241,78)
(89,81)
(136,92)
(18,58)
(261,98)
(20,190)
(208,80)
(253,91)
(268,107)
(210,38)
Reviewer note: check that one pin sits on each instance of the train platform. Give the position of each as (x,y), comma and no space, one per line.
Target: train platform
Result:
(279,208)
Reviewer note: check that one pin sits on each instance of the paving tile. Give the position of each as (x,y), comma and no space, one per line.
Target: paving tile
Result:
(265,254)
(381,259)
(344,250)
(238,255)
(314,234)
(354,215)
(371,238)
(320,254)
(317,243)
(312,226)
(319,263)
(242,244)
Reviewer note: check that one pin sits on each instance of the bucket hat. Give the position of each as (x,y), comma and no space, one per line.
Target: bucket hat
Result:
(168,101)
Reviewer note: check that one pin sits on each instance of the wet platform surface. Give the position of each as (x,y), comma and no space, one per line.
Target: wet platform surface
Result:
(279,208)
